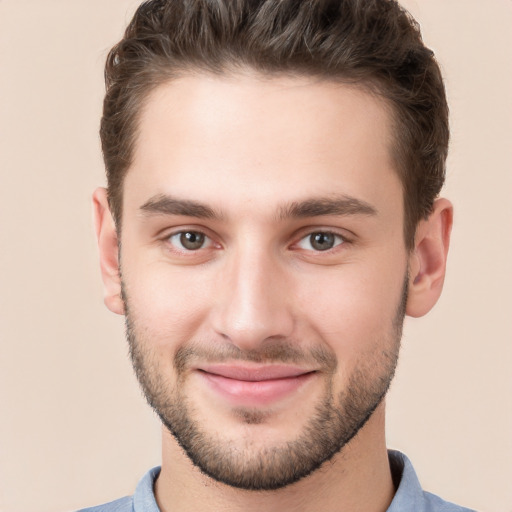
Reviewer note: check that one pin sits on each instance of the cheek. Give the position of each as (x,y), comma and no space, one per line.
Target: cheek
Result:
(353,309)
(168,304)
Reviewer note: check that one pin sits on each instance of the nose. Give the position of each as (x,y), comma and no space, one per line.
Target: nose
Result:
(253,303)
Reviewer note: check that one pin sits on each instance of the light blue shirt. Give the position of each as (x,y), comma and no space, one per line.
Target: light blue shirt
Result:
(409,497)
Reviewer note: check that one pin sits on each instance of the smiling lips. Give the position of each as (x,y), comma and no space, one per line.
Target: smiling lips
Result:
(254,385)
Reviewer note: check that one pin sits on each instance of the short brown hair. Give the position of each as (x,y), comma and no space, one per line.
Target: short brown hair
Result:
(374,43)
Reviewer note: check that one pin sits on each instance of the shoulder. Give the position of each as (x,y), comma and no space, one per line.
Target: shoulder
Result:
(121,505)
(142,501)
(434,503)
(409,494)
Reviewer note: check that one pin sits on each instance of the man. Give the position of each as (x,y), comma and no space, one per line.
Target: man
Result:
(272,213)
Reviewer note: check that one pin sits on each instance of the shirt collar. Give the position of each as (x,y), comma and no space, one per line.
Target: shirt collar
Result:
(408,496)
(144,498)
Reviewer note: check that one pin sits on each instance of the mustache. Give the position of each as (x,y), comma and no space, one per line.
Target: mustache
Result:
(272,351)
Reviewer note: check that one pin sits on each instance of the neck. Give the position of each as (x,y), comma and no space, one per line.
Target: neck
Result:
(343,483)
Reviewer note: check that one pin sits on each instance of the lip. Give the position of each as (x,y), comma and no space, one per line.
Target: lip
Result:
(254,385)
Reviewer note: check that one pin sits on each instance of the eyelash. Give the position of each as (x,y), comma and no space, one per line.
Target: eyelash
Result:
(180,234)
(320,235)
(306,238)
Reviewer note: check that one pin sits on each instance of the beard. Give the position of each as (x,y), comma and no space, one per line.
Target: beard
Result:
(239,462)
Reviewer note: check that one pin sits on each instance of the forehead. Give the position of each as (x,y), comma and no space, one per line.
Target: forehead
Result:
(261,139)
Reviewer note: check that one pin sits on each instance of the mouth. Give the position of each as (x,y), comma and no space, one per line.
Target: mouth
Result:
(254,386)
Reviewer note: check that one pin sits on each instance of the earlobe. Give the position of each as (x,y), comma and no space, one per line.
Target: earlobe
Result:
(108,246)
(427,263)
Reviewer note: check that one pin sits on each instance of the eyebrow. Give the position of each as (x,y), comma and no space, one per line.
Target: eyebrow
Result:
(168,205)
(315,207)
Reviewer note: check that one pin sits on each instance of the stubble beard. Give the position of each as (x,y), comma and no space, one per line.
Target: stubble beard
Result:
(236,462)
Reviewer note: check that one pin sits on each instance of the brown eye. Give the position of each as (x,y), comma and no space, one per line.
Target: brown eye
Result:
(188,240)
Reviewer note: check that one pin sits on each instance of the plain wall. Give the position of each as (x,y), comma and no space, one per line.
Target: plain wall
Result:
(74,429)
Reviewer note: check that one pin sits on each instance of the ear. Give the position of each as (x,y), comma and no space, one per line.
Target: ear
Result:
(427,262)
(108,245)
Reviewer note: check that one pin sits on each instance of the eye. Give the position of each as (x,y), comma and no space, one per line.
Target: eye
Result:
(320,241)
(189,240)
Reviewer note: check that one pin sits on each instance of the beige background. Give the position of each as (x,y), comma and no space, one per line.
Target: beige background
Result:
(74,430)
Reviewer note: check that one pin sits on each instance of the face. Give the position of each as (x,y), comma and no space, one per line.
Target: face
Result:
(264,270)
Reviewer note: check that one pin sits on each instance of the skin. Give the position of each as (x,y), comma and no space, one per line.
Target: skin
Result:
(248,148)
